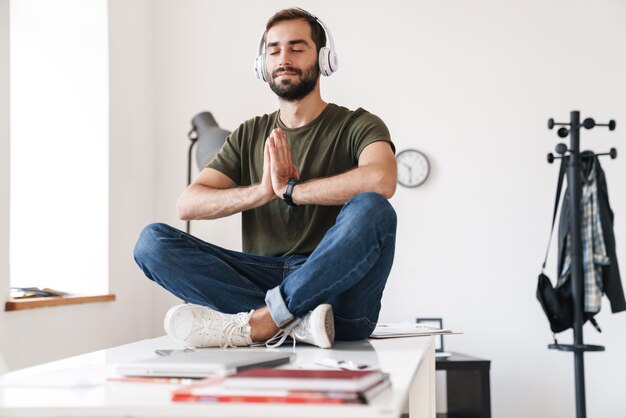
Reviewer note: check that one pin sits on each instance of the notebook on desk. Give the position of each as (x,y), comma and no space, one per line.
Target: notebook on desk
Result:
(203,363)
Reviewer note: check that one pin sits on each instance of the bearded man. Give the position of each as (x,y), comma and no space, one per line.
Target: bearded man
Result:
(311,181)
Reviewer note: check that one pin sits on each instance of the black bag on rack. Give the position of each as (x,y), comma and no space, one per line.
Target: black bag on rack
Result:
(557,303)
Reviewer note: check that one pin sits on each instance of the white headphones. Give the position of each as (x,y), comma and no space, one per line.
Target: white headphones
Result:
(327,57)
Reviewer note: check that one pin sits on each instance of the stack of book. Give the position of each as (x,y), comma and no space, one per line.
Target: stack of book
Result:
(265,385)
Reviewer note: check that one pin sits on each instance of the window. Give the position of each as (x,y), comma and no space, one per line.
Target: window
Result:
(59,145)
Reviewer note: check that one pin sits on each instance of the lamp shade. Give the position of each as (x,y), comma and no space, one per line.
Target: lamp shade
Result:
(210,137)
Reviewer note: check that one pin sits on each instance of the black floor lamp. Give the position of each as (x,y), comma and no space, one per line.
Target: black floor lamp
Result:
(209,138)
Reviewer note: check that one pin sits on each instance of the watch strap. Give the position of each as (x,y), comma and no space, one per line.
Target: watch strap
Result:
(288,192)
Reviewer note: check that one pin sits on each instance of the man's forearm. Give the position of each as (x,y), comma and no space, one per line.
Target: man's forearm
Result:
(337,190)
(202,202)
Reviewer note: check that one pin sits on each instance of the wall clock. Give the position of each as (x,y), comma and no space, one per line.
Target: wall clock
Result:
(413,168)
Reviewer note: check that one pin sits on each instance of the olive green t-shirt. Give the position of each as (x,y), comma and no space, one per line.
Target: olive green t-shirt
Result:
(329,145)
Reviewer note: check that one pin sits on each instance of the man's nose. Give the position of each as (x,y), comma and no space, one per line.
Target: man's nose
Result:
(284,58)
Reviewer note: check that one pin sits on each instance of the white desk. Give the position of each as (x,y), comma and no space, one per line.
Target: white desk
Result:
(77,386)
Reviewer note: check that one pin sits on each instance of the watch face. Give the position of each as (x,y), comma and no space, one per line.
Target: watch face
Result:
(413,168)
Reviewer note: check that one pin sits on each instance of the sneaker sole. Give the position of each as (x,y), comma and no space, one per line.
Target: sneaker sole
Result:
(329,326)
(168,319)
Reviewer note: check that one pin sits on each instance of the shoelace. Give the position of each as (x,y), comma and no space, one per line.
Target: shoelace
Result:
(293,332)
(233,326)
(281,336)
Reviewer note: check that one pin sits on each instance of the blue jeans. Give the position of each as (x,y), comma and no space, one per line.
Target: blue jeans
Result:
(348,269)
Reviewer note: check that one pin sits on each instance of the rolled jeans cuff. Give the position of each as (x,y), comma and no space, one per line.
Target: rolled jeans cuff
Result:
(278,309)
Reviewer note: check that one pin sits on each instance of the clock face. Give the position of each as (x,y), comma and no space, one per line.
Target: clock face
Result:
(413,168)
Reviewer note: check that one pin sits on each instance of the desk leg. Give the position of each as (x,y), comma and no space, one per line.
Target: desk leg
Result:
(422,392)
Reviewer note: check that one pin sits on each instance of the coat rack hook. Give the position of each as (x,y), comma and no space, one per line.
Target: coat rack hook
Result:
(560,148)
(589,123)
(612,153)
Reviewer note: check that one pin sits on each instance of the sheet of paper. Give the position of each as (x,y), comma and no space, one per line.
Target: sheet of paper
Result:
(387,330)
(87,376)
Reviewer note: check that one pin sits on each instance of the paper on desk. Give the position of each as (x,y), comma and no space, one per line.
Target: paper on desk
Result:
(333,364)
(83,377)
(407,330)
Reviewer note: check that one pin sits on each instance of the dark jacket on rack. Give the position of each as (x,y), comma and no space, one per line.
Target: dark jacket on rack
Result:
(611,281)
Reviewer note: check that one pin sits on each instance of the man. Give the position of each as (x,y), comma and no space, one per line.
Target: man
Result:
(289,173)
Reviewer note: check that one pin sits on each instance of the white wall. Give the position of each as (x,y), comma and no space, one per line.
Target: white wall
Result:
(40,335)
(472,84)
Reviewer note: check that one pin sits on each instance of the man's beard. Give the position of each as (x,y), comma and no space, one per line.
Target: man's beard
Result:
(292,91)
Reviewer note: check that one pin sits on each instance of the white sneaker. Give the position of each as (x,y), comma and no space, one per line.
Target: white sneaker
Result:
(199,326)
(316,328)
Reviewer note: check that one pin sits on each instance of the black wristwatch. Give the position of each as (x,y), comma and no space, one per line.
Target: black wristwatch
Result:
(287,195)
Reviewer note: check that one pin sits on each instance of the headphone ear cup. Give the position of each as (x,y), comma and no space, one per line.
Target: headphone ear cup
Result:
(333,61)
(327,61)
(259,67)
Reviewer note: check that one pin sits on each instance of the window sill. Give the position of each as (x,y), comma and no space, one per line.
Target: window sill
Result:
(32,303)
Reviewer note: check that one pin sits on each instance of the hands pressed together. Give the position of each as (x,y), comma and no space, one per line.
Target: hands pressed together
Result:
(278,166)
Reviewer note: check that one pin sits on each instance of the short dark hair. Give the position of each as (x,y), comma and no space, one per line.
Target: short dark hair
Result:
(317,31)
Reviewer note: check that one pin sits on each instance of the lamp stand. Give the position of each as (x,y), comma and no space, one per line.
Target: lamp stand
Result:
(193,137)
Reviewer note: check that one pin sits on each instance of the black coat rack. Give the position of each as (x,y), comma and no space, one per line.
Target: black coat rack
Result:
(574,168)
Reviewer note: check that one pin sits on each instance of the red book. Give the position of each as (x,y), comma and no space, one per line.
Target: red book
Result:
(261,398)
(300,379)
(214,390)
(210,391)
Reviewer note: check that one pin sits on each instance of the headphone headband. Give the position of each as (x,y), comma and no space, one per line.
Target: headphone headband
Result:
(327,58)
(329,37)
